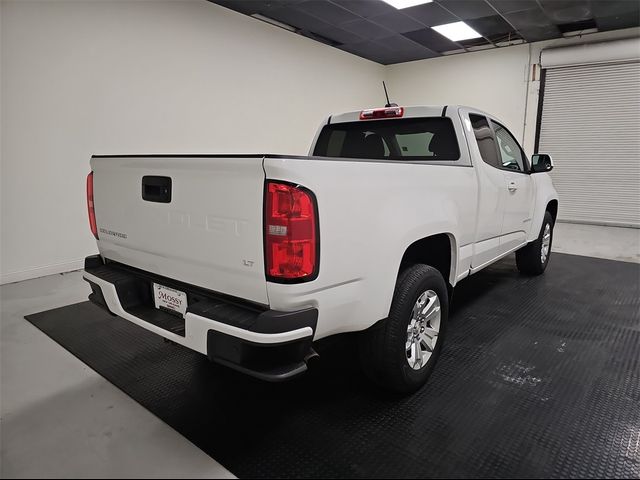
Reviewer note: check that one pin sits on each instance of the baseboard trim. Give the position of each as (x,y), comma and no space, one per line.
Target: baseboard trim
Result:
(40,271)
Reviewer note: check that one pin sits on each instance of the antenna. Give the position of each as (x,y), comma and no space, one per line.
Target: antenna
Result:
(389,104)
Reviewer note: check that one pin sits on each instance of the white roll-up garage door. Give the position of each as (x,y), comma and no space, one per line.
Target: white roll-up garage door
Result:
(590,124)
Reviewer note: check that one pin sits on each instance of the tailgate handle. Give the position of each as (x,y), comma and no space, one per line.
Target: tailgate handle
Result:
(156,189)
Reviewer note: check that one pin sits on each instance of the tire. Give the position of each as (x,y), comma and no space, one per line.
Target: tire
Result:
(531,259)
(384,353)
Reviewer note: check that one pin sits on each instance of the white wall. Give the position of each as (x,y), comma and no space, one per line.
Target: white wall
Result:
(86,77)
(492,80)
(498,81)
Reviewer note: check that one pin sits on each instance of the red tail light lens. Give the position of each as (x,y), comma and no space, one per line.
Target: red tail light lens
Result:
(291,233)
(92,213)
(388,112)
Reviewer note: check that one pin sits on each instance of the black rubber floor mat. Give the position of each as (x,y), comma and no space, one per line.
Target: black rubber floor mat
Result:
(539,377)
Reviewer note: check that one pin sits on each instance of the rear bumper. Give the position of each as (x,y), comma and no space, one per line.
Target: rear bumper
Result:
(267,344)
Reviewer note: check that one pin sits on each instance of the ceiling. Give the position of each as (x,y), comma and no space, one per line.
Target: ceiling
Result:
(377,31)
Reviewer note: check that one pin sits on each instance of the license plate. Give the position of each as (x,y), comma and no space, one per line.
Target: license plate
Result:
(170,299)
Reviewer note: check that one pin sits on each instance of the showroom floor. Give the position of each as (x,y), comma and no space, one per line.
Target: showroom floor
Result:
(81,425)
(594,241)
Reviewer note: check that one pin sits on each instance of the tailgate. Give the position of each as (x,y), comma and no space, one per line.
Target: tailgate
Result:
(200,221)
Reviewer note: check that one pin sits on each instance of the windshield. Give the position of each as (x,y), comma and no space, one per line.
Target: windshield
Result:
(431,138)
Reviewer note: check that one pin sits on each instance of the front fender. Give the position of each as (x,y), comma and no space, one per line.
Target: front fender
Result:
(545,193)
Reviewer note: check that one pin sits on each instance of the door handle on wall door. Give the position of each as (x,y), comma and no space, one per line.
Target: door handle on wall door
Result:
(512,186)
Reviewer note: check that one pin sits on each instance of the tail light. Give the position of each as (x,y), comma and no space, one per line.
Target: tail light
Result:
(92,213)
(388,112)
(291,233)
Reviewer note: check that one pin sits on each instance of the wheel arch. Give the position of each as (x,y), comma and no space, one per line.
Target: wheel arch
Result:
(552,208)
(546,200)
(438,250)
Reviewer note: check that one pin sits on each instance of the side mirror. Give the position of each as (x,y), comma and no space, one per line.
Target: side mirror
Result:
(541,162)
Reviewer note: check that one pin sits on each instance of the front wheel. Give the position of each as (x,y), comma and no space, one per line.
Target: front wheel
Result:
(401,352)
(533,258)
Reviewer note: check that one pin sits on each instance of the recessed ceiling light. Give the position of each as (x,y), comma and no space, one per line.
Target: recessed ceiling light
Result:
(406,3)
(457,31)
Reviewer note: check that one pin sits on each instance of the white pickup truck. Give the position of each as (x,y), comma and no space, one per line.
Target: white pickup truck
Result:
(250,259)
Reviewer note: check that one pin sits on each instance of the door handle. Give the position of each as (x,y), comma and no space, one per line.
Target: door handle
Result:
(512,186)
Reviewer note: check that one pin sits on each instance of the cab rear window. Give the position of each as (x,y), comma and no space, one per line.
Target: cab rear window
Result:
(431,138)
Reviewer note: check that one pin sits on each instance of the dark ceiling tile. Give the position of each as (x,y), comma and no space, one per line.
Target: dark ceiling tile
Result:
(326,11)
(537,34)
(577,26)
(506,6)
(410,57)
(248,8)
(567,11)
(365,8)
(528,19)
(490,26)
(612,14)
(381,54)
(339,35)
(616,22)
(467,9)
(430,14)
(432,40)
(383,59)
(397,21)
(319,38)
(370,50)
(388,50)
(366,29)
(611,8)
(297,18)
(400,43)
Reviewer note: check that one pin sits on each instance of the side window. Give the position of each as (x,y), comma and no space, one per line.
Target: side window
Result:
(485,140)
(511,157)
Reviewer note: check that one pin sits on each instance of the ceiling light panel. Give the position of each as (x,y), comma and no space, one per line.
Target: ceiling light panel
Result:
(399,4)
(457,31)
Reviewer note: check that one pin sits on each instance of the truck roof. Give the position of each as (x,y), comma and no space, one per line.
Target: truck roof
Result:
(411,111)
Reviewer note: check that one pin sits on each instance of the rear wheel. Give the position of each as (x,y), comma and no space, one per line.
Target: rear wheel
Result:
(401,352)
(533,258)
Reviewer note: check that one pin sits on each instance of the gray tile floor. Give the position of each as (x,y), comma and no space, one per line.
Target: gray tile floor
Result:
(61,419)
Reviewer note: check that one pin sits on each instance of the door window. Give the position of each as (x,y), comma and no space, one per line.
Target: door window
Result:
(484,138)
(511,156)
